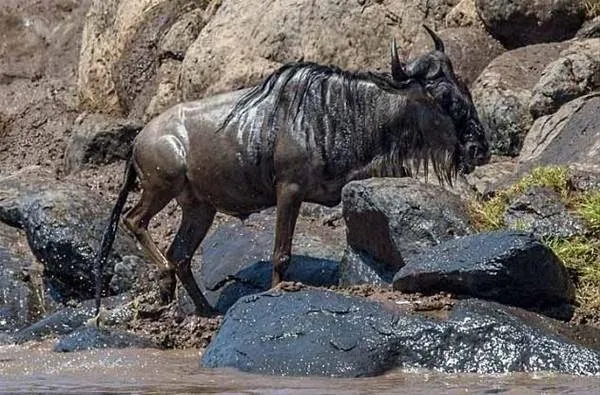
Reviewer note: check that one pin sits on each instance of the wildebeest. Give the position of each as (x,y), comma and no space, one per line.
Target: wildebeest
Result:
(300,136)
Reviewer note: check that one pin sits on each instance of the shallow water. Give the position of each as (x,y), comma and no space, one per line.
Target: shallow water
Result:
(35,368)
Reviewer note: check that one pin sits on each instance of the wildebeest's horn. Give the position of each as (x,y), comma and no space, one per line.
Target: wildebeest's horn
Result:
(439,44)
(398,72)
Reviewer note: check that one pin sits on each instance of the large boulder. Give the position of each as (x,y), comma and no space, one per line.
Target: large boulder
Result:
(470,49)
(568,137)
(503,90)
(236,259)
(64,225)
(390,219)
(509,267)
(575,73)
(321,333)
(517,23)
(246,40)
(123,49)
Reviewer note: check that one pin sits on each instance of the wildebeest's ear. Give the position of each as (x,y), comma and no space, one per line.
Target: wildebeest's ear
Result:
(398,72)
(439,44)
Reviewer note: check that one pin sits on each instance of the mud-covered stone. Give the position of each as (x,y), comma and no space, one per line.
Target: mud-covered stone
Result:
(540,211)
(99,139)
(510,267)
(392,218)
(236,260)
(321,333)
(64,225)
(90,338)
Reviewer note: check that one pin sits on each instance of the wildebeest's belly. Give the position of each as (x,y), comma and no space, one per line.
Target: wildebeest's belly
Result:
(231,185)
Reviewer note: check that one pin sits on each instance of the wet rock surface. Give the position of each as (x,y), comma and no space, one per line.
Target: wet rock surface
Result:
(236,260)
(518,23)
(321,333)
(98,139)
(541,212)
(509,267)
(86,338)
(64,225)
(358,267)
(22,298)
(392,218)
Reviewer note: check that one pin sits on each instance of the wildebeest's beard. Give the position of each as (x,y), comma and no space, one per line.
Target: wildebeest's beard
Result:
(455,98)
(435,71)
(354,124)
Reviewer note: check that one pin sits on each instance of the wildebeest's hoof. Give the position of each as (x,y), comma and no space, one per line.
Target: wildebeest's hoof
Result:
(290,286)
(166,286)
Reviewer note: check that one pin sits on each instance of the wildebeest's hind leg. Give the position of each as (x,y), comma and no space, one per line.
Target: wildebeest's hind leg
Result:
(288,208)
(137,219)
(196,219)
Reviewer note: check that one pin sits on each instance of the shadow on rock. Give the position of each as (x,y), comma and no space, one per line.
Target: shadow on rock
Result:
(236,261)
(256,278)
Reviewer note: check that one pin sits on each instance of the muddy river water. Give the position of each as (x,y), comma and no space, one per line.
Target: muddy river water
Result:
(35,368)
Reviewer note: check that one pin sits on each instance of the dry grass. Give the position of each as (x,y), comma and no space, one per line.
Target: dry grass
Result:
(592,8)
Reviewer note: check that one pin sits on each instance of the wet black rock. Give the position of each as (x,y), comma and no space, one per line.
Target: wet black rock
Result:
(64,225)
(321,333)
(358,267)
(541,211)
(93,338)
(236,261)
(390,219)
(68,319)
(509,267)
(22,290)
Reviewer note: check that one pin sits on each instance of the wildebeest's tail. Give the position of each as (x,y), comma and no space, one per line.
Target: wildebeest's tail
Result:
(111,229)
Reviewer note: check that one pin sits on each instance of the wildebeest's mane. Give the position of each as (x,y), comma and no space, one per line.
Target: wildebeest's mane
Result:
(405,161)
(313,72)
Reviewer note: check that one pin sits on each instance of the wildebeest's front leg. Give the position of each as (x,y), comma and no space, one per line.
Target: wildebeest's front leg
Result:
(289,200)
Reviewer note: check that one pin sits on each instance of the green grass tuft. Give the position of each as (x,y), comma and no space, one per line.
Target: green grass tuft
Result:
(580,254)
(489,215)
